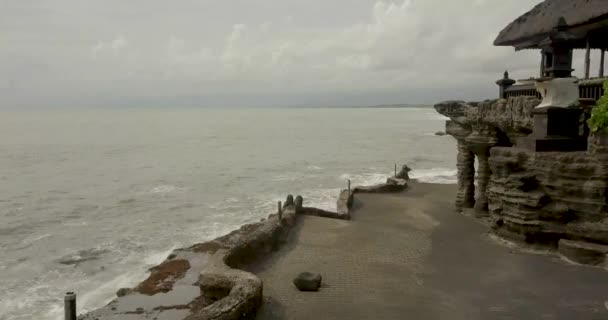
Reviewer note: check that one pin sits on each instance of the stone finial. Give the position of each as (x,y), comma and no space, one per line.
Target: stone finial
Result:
(504,83)
(562,24)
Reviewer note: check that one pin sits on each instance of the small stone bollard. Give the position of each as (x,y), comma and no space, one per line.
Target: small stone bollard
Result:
(70,306)
(280,207)
(299,204)
(288,201)
(348,186)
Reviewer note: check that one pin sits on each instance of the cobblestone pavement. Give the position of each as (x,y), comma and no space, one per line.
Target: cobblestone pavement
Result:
(410,256)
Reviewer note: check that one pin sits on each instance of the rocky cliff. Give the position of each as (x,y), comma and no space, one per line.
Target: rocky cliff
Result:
(537,197)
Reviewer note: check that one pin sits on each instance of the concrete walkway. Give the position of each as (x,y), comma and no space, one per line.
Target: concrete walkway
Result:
(410,256)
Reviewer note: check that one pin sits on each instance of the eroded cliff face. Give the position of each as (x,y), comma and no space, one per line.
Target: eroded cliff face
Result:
(543,197)
(478,127)
(538,197)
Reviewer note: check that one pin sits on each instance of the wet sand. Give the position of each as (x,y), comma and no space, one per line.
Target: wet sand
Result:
(411,256)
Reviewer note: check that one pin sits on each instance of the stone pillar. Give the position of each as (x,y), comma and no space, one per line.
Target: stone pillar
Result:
(483,179)
(466,174)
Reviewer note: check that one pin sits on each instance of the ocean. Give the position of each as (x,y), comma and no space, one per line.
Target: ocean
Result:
(92,198)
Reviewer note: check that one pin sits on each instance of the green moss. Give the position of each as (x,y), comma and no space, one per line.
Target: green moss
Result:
(599,116)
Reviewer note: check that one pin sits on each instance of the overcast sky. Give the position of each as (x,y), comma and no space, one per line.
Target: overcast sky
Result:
(114,53)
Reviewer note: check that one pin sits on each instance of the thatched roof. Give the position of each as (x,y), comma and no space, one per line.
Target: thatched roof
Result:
(538,23)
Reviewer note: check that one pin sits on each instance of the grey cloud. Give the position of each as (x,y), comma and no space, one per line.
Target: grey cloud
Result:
(236,52)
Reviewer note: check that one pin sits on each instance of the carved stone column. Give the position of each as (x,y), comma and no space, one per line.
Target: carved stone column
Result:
(466,174)
(483,179)
(480,142)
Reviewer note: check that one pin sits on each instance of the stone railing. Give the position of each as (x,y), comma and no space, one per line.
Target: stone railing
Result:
(588,89)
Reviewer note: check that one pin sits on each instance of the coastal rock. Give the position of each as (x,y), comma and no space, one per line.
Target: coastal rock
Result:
(440,133)
(535,197)
(123,292)
(222,291)
(478,127)
(307,281)
(549,194)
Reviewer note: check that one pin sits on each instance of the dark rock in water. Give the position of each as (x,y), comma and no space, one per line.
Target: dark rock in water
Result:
(404,173)
(440,133)
(307,281)
(123,292)
(583,252)
(299,203)
(289,201)
(82,256)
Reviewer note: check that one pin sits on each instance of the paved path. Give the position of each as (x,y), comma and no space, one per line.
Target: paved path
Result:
(410,256)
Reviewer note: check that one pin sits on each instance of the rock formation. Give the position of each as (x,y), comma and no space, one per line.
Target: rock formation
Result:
(536,197)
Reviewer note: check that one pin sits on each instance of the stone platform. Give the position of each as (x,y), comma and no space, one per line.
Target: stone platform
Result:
(411,256)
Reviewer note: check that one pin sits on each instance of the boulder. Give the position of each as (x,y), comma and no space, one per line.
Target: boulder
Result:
(440,133)
(123,292)
(583,252)
(307,281)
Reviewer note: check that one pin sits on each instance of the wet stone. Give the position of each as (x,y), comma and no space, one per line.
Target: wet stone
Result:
(307,281)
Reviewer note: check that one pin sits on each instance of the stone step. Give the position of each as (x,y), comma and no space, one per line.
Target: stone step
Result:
(583,252)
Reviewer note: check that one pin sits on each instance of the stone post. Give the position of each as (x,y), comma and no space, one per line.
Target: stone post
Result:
(70,306)
(466,174)
(503,84)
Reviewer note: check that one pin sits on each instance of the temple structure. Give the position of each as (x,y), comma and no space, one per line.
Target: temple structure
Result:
(541,176)
(557,27)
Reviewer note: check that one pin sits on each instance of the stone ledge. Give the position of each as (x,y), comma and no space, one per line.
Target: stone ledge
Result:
(392,185)
(583,252)
(316,212)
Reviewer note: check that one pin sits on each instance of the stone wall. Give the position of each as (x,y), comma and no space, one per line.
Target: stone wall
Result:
(536,197)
